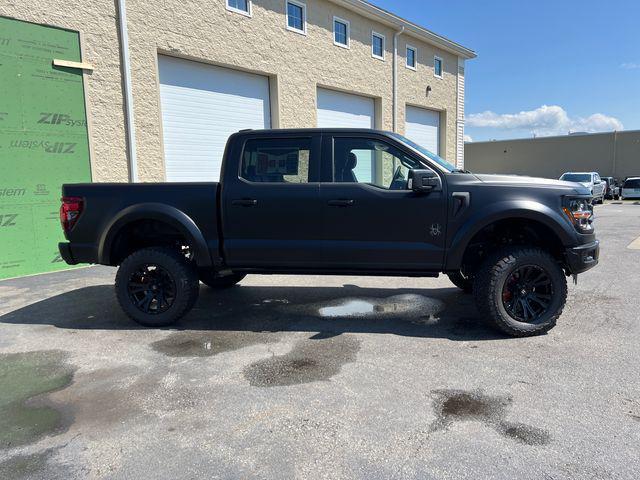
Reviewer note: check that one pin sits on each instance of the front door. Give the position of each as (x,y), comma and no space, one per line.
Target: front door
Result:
(271,204)
(371,220)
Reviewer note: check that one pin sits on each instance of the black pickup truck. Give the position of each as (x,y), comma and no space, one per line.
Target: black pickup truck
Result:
(337,201)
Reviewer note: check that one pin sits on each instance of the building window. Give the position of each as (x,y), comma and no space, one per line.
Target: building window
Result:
(276,160)
(412,55)
(437,67)
(377,45)
(297,17)
(240,6)
(341,32)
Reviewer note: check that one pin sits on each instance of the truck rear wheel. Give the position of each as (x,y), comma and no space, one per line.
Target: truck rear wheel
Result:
(156,286)
(461,281)
(521,291)
(210,279)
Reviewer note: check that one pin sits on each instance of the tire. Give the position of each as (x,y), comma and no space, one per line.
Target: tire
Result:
(460,281)
(499,297)
(164,276)
(209,278)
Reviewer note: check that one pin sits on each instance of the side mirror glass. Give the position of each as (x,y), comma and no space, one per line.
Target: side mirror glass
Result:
(423,181)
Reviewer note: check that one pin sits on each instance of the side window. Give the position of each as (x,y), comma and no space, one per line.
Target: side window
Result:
(365,160)
(276,160)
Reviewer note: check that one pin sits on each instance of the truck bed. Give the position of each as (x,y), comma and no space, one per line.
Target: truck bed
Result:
(105,204)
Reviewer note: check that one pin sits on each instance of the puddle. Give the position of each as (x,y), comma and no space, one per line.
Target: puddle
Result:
(460,406)
(407,305)
(194,344)
(310,360)
(24,376)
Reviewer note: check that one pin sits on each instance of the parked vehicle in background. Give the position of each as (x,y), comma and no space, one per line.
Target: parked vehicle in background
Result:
(343,201)
(611,191)
(591,180)
(631,188)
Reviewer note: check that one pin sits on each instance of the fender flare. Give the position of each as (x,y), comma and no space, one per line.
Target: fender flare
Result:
(155,211)
(513,209)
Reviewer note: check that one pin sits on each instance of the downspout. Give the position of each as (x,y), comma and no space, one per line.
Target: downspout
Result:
(395,78)
(128,97)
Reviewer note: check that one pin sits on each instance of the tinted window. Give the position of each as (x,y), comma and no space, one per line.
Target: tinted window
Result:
(576,177)
(295,16)
(276,160)
(377,45)
(362,160)
(633,183)
(239,5)
(437,66)
(340,32)
(411,57)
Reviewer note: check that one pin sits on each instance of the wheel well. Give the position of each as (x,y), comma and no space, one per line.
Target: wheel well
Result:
(143,234)
(506,232)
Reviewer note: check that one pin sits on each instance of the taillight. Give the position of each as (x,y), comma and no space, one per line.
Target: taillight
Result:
(70,211)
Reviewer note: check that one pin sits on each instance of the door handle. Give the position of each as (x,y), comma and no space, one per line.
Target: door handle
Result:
(341,203)
(245,202)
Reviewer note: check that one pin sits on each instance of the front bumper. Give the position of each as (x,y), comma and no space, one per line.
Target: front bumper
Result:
(583,257)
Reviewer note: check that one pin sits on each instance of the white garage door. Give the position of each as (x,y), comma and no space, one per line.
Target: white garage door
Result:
(344,110)
(201,106)
(423,127)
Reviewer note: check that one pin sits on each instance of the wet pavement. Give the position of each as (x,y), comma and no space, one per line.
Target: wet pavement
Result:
(322,377)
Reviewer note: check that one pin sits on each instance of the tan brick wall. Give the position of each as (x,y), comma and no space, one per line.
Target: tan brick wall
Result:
(208,32)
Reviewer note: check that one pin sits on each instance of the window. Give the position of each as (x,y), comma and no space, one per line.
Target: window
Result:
(240,6)
(364,160)
(377,45)
(340,32)
(412,55)
(276,160)
(437,67)
(297,17)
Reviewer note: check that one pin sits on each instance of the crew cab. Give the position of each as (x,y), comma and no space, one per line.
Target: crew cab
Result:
(337,201)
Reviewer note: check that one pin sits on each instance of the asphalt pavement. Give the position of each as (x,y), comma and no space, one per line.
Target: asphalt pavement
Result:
(323,377)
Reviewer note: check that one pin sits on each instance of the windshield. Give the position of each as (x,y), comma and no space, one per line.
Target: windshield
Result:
(633,183)
(576,177)
(432,156)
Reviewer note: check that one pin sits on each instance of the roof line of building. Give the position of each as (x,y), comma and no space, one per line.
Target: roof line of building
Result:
(372,11)
(552,137)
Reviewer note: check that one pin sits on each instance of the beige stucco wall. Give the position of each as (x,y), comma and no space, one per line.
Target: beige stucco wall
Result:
(610,154)
(208,32)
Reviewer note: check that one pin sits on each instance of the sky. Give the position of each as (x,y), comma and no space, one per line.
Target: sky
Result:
(543,67)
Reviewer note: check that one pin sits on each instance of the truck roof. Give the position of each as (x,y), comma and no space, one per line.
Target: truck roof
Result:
(316,130)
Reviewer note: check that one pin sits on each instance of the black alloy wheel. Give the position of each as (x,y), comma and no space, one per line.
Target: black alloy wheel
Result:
(527,293)
(151,289)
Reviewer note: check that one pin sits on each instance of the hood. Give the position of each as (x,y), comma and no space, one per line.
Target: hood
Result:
(532,181)
(586,184)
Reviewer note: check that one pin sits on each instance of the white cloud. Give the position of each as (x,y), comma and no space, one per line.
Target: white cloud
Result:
(630,66)
(467,138)
(545,121)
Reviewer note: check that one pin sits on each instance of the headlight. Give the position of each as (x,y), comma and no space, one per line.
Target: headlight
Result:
(579,211)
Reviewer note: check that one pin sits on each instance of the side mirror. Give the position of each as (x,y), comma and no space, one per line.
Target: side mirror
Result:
(423,181)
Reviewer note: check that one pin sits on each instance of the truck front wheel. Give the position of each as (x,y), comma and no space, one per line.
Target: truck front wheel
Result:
(210,279)
(156,286)
(521,291)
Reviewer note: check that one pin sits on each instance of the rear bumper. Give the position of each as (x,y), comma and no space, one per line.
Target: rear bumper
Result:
(583,257)
(75,253)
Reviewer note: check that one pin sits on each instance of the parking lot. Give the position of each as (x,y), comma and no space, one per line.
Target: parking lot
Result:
(323,377)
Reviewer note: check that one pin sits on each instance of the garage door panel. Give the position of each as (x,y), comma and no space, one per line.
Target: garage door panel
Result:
(423,127)
(345,110)
(202,105)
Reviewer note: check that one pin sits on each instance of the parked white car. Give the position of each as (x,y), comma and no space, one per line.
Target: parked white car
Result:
(631,188)
(591,180)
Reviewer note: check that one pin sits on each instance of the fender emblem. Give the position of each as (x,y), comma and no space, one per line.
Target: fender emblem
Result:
(435,230)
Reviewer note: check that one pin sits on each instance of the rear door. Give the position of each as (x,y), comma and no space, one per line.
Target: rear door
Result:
(270,202)
(372,221)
